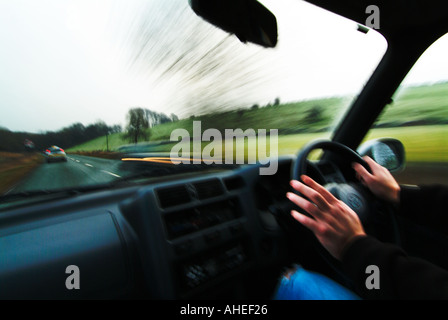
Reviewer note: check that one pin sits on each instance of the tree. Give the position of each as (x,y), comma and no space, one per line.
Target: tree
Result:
(137,125)
(315,114)
(116,128)
(174,117)
(155,118)
(66,137)
(97,129)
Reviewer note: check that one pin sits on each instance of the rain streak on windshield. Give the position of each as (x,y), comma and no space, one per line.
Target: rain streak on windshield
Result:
(109,81)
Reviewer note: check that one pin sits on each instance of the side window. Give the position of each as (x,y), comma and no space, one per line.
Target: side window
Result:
(418,117)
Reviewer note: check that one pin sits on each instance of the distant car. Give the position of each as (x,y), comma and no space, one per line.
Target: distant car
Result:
(54,153)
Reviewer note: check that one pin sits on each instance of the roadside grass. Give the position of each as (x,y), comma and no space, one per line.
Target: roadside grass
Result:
(421,103)
(290,118)
(286,118)
(425,107)
(114,140)
(422,143)
(16,166)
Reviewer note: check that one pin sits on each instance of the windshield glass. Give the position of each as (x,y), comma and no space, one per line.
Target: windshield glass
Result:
(130,86)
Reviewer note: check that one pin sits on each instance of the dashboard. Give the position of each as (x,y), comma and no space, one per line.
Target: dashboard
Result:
(207,235)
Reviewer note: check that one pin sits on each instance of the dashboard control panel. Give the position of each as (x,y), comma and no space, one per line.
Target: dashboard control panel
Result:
(188,221)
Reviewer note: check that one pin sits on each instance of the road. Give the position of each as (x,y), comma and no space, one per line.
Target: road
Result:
(77,171)
(82,170)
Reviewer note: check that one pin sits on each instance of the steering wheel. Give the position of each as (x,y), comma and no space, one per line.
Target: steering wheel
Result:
(337,176)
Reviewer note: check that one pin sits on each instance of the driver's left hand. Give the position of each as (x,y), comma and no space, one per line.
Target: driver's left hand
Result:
(335,224)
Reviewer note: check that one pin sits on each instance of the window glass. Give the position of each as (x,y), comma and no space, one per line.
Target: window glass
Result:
(418,117)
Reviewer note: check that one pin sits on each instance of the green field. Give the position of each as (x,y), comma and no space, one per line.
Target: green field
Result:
(114,141)
(300,117)
(423,103)
(422,143)
(418,118)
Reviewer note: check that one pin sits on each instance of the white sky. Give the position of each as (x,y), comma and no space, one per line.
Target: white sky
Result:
(67,61)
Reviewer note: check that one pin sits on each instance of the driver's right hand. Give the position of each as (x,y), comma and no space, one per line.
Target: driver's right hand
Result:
(380,182)
(333,222)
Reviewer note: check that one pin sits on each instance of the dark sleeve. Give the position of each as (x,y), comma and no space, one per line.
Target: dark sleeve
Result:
(426,205)
(400,276)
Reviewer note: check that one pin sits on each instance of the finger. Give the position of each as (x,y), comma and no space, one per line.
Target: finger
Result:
(372,164)
(368,159)
(327,195)
(361,171)
(306,205)
(314,196)
(306,221)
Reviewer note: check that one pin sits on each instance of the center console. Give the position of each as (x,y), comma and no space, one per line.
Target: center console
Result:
(193,236)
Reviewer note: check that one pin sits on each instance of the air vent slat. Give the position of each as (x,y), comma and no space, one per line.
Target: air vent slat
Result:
(208,189)
(234,183)
(173,196)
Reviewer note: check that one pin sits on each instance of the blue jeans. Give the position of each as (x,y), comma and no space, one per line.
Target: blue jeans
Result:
(307,285)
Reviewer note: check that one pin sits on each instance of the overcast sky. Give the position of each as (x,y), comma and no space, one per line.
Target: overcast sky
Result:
(67,61)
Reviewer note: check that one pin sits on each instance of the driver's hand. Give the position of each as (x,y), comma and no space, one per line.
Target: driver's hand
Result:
(335,224)
(380,181)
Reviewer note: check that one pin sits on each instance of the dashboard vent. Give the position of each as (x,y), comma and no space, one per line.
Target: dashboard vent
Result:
(173,196)
(234,183)
(208,189)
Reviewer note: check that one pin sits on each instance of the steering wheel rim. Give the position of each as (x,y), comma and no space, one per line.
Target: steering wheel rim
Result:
(299,166)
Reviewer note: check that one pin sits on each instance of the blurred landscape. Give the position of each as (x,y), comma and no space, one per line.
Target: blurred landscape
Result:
(418,118)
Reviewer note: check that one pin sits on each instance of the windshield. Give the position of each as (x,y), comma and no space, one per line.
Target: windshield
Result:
(124,87)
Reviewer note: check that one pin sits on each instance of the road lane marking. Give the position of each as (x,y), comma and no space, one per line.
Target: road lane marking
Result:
(89,165)
(111,173)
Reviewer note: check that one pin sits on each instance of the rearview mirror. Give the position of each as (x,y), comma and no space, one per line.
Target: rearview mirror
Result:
(249,20)
(387,152)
